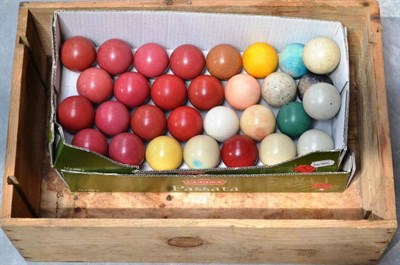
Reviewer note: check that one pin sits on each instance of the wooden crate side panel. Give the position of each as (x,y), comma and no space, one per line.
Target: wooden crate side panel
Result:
(228,241)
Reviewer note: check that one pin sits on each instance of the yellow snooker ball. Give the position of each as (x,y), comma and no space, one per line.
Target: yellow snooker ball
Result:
(164,153)
(260,59)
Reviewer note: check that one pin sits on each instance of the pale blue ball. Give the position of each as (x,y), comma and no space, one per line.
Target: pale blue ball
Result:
(291,60)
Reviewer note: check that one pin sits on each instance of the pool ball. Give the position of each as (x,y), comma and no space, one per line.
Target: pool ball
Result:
(322,101)
(187,61)
(242,91)
(206,92)
(168,92)
(278,89)
(310,79)
(164,153)
(151,60)
(276,148)
(314,140)
(201,151)
(291,60)
(127,148)
(239,151)
(132,89)
(95,84)
(185,122)
(148,122)
(112,118)
(257,121)
(224,61)
(92,140)
(78,53)
(260,59)
(115,56)
(292,120)
(321,55)
(75,113)
(221,123)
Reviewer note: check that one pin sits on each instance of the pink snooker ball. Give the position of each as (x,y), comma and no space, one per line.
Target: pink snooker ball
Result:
(151,60)
(127,148)
(112,118)
(132,89)
(242,91)
(92,140)
(95,84)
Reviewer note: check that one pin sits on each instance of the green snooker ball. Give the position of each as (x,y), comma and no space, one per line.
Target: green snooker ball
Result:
(292,119)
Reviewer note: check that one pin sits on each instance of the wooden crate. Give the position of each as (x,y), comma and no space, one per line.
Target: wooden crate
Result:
(46,222)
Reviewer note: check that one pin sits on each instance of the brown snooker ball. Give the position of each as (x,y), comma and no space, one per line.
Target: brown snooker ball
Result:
(224,61)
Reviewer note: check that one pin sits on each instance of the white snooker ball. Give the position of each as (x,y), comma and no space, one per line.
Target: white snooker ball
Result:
(314,140)
(321,101)
(201,151)
(221,123)
(276,148)
(321,55)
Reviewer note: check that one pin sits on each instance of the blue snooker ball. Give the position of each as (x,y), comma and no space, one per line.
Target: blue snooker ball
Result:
(291,60)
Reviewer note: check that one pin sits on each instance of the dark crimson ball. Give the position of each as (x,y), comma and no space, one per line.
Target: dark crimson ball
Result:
(112,118)
(206,92)
(168,92)
(148,122)
(127,148)
(239,151)
(91,139)
(75,113)
(184,123)
(187,61)
(95,84)
(78,53)
(132,89)
(115,56)
(151,60)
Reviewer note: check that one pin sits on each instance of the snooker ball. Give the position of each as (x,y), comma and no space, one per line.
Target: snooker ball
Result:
(224,61)
(115,56)
(321,55)
(78,53)
(310,79)
(322,101)
(206,92)
(292,120)
(132,89)
(151,60)
(164,153)
(276,148)
(221,123)
(291,60)
(242,91)
(148,122)
(257,121)
(112,118)
(92,140)
(127,148)
(239,151)
(278,89)
(260,59)
(185,122)
(314,140)
(95,84)
(75,113)
(187,61)
(168,92)
(201,151)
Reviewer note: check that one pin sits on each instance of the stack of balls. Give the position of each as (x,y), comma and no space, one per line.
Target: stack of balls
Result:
(145,105)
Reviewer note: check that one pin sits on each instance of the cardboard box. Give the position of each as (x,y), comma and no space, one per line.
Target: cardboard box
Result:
(84,170)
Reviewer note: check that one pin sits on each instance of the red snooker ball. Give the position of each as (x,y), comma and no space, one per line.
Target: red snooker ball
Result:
(112,118)
(132,89)
(75,113)
(239,151)
(168,92)
(95,84)
(92,140)
(184,123)
(151,60)
(78,53)
(206,92)
(187,61)
(127,148)
(148,122)
(115,56)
